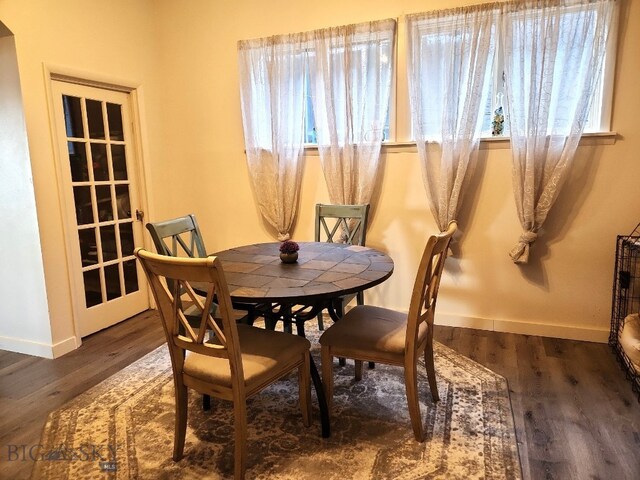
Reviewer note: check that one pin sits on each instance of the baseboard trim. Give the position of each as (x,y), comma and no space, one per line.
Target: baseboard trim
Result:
(38,349)
(569,332)
(65,346)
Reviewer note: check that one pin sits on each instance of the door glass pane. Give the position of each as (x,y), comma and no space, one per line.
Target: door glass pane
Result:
(126,239)
(94,119)
(92,290)
(112,280)
(88,246)
(72,116)
(108,239)
(103,197)
(130,276)
(78,161)
(115,121)
(84,210)
(119,162)
(123,202)
(99,161)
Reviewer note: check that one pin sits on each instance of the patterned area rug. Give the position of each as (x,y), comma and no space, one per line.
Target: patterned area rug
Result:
(124,426)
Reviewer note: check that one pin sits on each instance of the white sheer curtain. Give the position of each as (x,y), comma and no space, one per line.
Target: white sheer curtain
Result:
(450,56)
(554,52)
(350,77)
(272,90)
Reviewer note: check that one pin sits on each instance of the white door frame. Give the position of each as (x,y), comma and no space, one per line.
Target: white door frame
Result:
(70,75)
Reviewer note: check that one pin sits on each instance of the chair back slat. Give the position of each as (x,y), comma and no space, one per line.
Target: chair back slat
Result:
(426,286)
(204,309)
(350,221)
(181,273)
(179,319)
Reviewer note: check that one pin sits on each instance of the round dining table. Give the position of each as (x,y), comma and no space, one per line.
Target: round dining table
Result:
(323,271)
(295,292)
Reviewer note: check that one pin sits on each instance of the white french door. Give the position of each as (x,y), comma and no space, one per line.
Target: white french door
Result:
(101,192)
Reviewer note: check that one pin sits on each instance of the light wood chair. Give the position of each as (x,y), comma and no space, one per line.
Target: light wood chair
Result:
(342,224)
(238,362)
(181,237)
(381,335)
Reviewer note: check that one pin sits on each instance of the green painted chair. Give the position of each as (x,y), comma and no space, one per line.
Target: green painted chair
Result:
(342,224)
(184,236)
(181,237)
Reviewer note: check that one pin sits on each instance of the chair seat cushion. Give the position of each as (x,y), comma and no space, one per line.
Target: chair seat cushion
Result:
(372,329)
(264,353)
(630,339)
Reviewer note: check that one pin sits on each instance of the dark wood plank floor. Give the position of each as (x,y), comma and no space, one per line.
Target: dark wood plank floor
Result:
(575,414)
(31,387)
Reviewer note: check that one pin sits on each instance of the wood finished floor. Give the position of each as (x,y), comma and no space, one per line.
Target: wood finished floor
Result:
(575,414)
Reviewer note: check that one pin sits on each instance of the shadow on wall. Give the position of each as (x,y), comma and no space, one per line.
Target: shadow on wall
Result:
(400,222)
(424,224)
(561,217)
(468,204)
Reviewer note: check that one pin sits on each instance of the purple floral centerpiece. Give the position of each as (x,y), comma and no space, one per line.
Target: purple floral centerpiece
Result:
(289,251)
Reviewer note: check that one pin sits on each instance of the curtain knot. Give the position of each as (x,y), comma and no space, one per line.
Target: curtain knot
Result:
(283,236)
(520,253)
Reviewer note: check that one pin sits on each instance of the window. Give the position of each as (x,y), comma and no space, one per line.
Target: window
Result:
(397,125)
(450,59)
(359,71)
(571,62)
(273,77)
(600,107)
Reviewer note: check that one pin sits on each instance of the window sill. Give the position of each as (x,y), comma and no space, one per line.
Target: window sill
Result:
(486,143)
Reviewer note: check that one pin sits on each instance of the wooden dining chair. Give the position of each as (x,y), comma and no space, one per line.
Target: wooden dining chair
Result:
(178,237)
(369,333)
(342,224)
(181,237)
(237,362)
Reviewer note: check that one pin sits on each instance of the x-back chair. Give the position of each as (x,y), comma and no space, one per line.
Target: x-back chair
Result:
(233,362)
(342,224)
(178,236)
(368,333)
(181,237)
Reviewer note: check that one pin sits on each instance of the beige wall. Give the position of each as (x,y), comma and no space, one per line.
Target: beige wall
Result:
(113,41)
(183,55)
(566,288)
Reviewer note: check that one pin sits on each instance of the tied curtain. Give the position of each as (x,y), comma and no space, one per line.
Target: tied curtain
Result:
(350,71)
(450,56)
(272,91)
(554,52)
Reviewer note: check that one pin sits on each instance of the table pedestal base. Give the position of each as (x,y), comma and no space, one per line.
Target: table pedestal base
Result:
(290,314)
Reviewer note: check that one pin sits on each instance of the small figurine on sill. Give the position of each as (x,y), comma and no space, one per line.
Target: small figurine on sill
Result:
(497,125)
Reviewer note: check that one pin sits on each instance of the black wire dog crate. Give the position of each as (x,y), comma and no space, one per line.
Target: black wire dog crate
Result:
(626,299)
